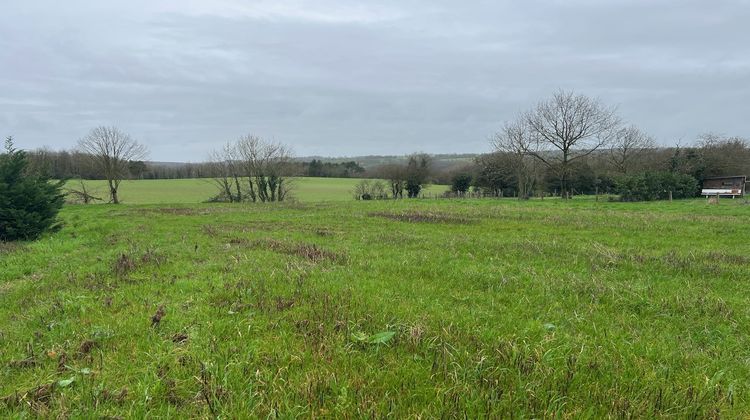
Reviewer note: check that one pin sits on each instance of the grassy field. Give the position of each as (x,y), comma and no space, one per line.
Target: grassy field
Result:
(425,308)
(186,191)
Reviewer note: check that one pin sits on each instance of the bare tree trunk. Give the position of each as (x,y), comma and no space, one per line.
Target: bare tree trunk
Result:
(251,191)
(113,192)
(564,177)
(237,198)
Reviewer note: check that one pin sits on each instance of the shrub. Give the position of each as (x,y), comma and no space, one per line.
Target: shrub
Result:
(652,186)
(370,190)
(461,183)
(29,203)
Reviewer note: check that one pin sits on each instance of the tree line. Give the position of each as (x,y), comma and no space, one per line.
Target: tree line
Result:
(505,173)
(67,164)
(568,144)
(572,144)
(565,145)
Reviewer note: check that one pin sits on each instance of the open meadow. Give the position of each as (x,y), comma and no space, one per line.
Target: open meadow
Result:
(184,191)
(374,210)
(413,308)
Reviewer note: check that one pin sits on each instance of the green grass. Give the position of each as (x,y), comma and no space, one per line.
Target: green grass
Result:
(497,308)
(199,190)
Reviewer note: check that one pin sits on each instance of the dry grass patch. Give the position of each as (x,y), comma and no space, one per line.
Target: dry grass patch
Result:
(127,263)
(8,247)
(176,211)
(423,217)
(310,252)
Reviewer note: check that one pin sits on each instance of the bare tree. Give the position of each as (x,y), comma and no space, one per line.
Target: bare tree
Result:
(252,169)
(629,144)
(112,150)
(227,172)
(370,190)
(722,155)
(514,140)
(395,174)
(266,165)
(568,127)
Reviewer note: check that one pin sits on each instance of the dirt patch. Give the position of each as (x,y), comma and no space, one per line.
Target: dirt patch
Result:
(9,247)
(181,211)
(227,230)
(424,217)
(86,347)
(218,209)
(117,397)
(283,304)
(34,397)
(734,259)
(325,232)
(172,211)
(22,364)
(241,241)
(310,252)
(313,253)
(247,227)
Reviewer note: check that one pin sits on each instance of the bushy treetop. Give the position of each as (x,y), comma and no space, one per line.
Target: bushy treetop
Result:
(29,203)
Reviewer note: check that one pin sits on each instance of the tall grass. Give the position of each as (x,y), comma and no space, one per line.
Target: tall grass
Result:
(426,308)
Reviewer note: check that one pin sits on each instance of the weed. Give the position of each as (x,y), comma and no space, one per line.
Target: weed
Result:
(124,265)
(106,396)
(127,263)
(62,361)
(210,230)
(157,317)
(86,347)
(22,364)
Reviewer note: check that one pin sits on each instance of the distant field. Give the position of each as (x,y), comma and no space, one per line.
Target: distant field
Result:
(423,308)
(199,190)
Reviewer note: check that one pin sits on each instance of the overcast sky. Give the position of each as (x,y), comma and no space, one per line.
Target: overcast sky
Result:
(351,77)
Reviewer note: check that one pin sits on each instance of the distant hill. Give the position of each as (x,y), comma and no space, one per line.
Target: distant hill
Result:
(169,164)
(440,161)
(367,162)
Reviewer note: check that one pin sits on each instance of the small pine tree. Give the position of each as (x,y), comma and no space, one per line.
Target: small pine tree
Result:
(29,203)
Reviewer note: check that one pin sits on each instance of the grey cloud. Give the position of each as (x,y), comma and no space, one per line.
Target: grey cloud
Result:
(345,78)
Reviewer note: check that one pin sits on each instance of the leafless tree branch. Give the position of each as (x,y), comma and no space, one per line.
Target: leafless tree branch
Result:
(112,149)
